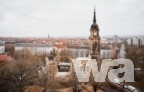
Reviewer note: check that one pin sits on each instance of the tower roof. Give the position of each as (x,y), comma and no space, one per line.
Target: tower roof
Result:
(94,25)
(94,19)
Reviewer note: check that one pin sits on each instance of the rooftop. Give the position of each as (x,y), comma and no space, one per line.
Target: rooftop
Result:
(32,45)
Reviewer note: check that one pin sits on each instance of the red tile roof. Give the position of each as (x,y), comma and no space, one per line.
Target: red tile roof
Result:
(3,57)
(60,46)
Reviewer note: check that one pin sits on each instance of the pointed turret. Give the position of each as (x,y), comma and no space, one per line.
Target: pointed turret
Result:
(94,19)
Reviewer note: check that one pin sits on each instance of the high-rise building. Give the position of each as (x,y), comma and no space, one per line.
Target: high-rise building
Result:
(115,40)
(94,39)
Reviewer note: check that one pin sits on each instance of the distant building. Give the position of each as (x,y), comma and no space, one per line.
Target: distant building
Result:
(142,41)
(2,47)
(105,54)
(61,41)
(80,52)
(136,41)
(122,53)
(130,41)
(104,41)
(115,40)
(60,47)
(39,49)
(10,47)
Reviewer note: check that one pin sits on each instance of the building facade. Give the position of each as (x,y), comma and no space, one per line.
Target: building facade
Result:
(10,47)
(39,49)
(136,41)
(2,49)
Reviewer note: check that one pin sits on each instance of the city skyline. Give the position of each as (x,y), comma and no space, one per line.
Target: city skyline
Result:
(70,18)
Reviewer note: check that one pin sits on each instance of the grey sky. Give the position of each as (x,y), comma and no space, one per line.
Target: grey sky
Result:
(33,18)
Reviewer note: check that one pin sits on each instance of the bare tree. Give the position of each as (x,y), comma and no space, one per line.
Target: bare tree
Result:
(66,53)
(43,78)
(76,53)
(19,74)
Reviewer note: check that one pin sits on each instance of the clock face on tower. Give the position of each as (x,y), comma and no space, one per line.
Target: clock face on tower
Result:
(95,33)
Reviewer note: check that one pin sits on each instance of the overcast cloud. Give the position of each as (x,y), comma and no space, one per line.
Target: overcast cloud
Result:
(32,18)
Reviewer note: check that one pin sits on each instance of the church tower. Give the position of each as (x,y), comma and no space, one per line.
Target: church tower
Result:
(94,39)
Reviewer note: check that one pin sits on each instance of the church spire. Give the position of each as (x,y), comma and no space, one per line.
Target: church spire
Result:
(94,20)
